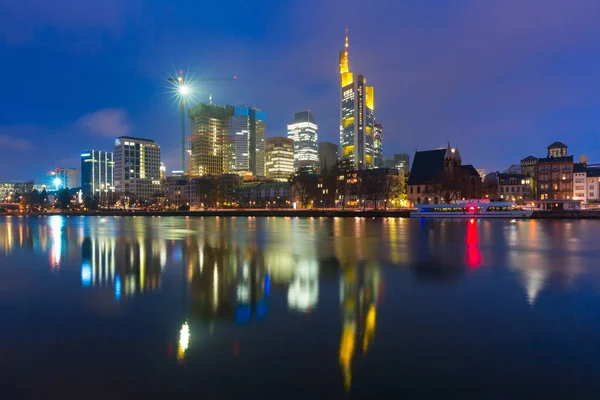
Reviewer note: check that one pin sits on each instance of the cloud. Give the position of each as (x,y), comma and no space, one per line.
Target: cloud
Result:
(110,122)
(11,137)
(13,143)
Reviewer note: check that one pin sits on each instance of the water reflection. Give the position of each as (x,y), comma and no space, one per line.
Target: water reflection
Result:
(240,275)
(359,296)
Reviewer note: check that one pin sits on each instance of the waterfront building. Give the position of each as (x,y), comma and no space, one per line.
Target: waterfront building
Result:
(136,159)
(304,131)
(11,192)
(555,174)
(378,145)
(279,158)
(529,168)
(357,115)
(438,176)
(249,129)
(515,187)
(264,194)
(328,155)
(97,173)
(402,161)
(586,182)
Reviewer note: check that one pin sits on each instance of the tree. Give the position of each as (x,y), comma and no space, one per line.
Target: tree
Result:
(445,189)
(387,187)
(305,187)
(341,171)
(63,199)
(206,190)
(91,202)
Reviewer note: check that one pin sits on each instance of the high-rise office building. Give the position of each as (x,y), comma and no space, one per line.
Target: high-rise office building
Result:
(279,158)
(304,131)
(387,162)
(227,139)
(97,173)
(328,155)
(378,145)
(249,129)
(402,161)
(137,159)
(357,115)
(211,143)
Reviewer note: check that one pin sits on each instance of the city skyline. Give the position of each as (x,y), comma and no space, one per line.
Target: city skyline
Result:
(510,71)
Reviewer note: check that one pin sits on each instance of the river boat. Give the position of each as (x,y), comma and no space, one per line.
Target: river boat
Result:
(471,209)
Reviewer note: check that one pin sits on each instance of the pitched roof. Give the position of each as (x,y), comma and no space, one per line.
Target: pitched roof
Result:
(470,170)
(556,145)
(529,158)
(426,166)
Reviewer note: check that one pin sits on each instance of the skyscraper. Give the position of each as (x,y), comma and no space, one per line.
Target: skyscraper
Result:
(378,145)
(97,176)
(227,139)
(136,159)
(279,158)
(304,132)
(357,118)
(328,155)
(68,177)
(212,144)
(402,161)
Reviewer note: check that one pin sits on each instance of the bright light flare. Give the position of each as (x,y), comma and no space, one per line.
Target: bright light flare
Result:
(184,341)
(182,88)
(57,183)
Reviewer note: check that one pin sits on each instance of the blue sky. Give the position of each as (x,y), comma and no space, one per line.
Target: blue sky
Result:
(499,79)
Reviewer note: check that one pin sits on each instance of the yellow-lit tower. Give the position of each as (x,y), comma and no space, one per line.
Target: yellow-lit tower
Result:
(357,115)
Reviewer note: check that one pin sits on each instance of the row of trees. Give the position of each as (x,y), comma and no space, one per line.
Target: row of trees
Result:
(337,186)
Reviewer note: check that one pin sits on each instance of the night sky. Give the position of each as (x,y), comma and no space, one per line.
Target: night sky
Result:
(499,79)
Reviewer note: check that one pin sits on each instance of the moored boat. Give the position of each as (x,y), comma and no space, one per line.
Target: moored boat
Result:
(471,209)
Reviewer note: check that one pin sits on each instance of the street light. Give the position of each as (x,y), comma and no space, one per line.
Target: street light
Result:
(182,91)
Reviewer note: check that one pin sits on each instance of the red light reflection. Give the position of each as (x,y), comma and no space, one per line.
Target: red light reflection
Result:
(473,253)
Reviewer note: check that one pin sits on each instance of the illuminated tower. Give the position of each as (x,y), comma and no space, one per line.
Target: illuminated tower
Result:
(304,132)
(378,145)
(357,118)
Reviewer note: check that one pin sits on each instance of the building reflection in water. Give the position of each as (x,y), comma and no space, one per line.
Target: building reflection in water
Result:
(359,297)
(129,266)
(303,291)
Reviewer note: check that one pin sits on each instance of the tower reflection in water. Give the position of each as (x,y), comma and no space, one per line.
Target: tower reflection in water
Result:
(359,297)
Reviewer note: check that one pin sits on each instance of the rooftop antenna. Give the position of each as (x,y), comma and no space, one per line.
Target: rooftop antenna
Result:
(210,99)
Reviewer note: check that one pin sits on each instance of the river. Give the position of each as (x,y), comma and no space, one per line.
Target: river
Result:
(283,307)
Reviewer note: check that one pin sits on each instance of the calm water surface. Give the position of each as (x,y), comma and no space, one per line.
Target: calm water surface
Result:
(96,307)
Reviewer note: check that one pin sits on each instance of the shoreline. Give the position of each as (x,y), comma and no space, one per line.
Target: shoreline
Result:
(537,214)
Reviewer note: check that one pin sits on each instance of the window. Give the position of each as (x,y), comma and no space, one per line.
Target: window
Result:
(518,189)
(418,189)
(555,186)
(411,190)
(512,189)
(566,168)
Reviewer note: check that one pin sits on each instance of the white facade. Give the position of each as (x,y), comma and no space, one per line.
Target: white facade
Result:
(69,177)
(136,159)
(304,131)
(586,186)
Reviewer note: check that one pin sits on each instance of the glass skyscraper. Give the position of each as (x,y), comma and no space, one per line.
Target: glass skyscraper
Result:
(378,145)
(97,173)
(357,115)
(227,139)
(304,132)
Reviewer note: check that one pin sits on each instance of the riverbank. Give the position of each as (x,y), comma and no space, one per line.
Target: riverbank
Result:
(538,214)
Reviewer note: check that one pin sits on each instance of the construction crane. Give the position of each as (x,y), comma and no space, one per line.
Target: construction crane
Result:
(184,89)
